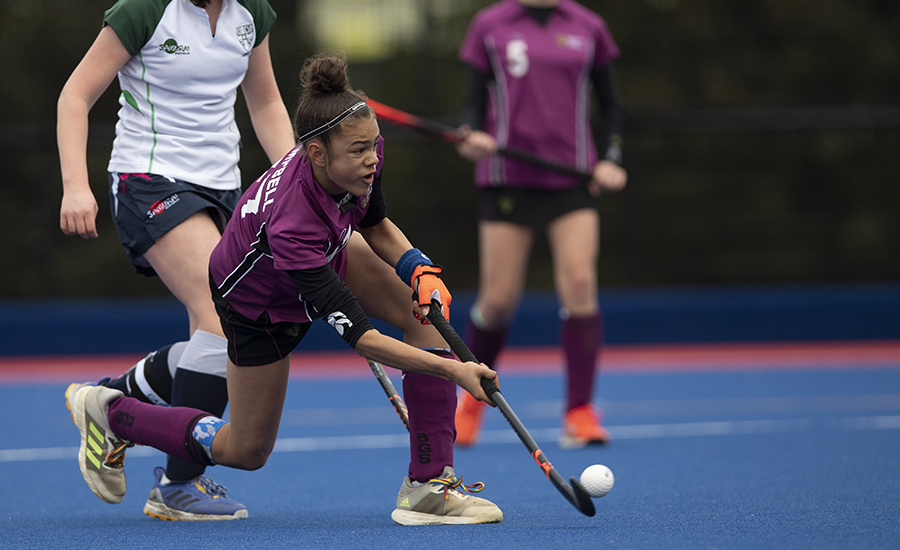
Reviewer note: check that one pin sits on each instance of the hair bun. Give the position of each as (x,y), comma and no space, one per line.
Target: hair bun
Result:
(325,75)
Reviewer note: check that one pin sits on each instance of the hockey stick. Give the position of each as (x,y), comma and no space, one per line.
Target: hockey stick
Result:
(446,133)
(574,493)
(391,392)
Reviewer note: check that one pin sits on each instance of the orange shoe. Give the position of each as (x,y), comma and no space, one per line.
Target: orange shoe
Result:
(581,427)
(468,419)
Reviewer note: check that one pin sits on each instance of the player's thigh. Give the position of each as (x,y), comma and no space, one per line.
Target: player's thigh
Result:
(375,284)
(575,244)
(256,400)
(383,296)
(504,251)
(181,259)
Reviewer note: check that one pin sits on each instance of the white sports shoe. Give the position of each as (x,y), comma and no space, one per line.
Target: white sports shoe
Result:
(101,455)
(441,502)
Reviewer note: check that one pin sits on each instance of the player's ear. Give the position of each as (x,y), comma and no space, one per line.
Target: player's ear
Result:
(317,154)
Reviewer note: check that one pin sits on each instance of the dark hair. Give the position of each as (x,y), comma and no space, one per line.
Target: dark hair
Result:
(326,93)
(200,3)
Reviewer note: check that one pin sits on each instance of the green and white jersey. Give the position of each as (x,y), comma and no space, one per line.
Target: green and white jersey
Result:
(179,87)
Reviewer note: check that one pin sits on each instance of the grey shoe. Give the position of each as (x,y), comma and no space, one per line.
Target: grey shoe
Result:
(101,455)
(440,502)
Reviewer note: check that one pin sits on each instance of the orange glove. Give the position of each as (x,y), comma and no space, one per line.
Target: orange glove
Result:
(427,286)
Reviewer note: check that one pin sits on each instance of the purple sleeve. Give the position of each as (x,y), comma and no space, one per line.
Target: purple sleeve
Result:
(607,50)
(472,51)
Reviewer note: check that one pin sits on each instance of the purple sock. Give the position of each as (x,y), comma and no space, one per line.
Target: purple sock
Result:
(582,338)
(486,344)
(165,428)
(431,402)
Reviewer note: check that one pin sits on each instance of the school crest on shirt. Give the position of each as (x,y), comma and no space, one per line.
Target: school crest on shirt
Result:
(571,41)
(245,35)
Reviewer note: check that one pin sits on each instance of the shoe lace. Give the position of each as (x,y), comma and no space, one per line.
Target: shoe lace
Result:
(116,458)
(210,487)
(455,483)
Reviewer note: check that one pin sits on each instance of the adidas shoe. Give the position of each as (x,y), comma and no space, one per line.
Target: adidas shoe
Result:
(101,455)
(442,502)
(468,419)
(198,499)
(581,427)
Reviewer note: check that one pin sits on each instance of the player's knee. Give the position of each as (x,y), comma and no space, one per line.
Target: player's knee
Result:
(251,460)
(496,311)
(251,456)
(580,286)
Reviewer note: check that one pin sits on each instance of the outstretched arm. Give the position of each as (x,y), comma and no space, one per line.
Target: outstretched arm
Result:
(333,301)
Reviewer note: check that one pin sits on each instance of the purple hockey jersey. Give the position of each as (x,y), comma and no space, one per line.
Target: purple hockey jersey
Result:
(285,221)
(539,99)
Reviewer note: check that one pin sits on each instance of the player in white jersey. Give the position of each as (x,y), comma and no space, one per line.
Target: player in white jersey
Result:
(174,179)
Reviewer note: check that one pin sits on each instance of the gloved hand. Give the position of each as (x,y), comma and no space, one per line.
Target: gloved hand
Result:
(427,286)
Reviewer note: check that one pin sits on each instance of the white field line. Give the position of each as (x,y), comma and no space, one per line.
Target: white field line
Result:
(495,437)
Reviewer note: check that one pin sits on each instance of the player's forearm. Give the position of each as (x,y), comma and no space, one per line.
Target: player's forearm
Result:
(71,138)
(387,241)
(609,120)
(389,351)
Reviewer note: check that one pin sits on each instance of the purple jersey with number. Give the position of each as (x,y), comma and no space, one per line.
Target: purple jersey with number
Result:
(285,221)
(539,98)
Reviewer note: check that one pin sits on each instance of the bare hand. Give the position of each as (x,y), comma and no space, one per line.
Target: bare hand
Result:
(78,214)
(607,176)
(471,380)
(475,144)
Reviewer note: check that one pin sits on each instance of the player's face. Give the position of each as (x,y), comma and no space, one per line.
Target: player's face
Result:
(351,159)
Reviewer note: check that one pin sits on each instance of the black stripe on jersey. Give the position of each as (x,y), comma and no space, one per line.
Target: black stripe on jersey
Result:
(258,249)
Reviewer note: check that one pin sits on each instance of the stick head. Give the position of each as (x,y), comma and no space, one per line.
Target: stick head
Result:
(585,504)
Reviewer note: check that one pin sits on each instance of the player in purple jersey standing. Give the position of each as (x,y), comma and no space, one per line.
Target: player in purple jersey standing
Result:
(174,180)
(309,239)
(531,65)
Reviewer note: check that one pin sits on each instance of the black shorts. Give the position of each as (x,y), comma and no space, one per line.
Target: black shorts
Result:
(146,206)
(532,207)
(254,343)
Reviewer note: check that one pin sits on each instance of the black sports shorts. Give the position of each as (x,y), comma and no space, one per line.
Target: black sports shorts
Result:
(252,343)
(146,206)
(532,207)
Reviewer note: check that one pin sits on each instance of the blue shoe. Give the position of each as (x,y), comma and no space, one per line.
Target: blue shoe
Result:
(199,499)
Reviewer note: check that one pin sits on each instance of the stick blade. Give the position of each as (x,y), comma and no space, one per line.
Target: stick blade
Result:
(585,504)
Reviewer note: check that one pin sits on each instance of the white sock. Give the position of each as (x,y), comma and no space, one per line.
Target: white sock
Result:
(206,353)
(175,353)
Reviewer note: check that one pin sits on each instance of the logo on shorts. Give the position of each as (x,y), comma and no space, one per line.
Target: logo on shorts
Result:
(170,46)
(245,35)
(159,207)
(339,322)
(293,331)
